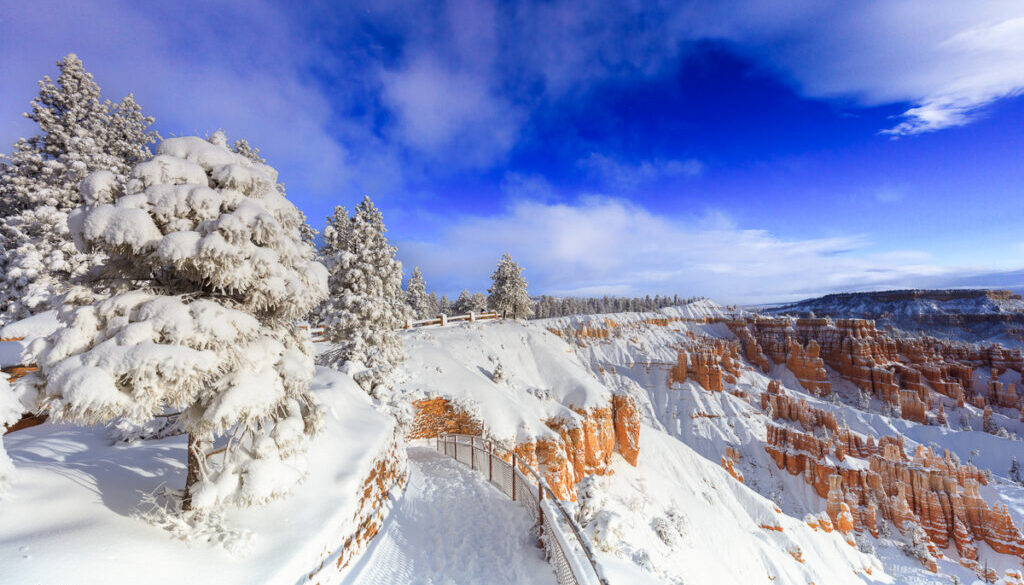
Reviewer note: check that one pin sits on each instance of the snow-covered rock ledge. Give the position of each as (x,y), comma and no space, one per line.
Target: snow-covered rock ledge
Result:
(69,516)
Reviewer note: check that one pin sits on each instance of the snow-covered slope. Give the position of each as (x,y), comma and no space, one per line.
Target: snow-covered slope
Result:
(637,352)
(677,515)
(704,502)
(543,379)
(70,516)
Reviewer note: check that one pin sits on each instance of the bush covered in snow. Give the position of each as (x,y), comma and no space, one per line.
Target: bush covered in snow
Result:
(193,309)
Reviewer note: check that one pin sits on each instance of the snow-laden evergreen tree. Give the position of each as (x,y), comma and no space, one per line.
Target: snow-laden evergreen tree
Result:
(469,303)
(435,305)
(478,302)
(366,303)
(205,274)
(39,181)
(417,297)
(508,294)
(444,305)
(242,147)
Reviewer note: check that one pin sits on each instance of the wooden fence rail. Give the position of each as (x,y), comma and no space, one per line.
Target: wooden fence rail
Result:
(319,334)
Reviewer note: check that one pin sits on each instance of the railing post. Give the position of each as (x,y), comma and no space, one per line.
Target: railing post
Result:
(444,319)
(513,476)
(472,316)
(490,463)
(540,511)
(472,452)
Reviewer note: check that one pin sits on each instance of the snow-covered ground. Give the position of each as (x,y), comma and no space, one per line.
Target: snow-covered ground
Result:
(677,517)
(452,527)
(69,517)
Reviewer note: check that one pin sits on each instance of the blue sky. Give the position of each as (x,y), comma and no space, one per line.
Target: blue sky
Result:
(747,151)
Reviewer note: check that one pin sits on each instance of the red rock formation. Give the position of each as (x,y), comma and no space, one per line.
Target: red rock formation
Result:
(706,371)
(729,463)
(1002,394)
(783,407)
(751,349)
(912,407)
(807,366)
(626,421)
(834,497)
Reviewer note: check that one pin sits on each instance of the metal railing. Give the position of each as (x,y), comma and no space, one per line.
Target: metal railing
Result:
(568,550)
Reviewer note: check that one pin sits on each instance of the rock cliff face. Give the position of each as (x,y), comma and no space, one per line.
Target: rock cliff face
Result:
(900,372)
(935,493)
(974,315)
(583,447)
(710,362)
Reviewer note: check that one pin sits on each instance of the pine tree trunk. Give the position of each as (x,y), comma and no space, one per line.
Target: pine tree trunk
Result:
(194,452)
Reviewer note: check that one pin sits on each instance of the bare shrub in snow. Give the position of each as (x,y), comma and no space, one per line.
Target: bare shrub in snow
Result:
(665,531)
(366,302)
(508,294)
(498,375)
(160,427)
(194,309)
(162,508)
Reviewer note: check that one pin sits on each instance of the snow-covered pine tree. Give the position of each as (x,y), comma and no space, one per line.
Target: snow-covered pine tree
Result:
(463,303)
(366,302)
(206,273)
(39,181)
(444,305)
(242,147)
(417,297)
(477,302)
(435,305)
(508,294)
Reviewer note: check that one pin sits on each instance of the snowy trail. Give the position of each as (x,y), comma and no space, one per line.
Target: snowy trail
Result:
(451,527)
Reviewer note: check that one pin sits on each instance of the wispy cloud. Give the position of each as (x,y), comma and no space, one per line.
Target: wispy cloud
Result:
(948,59)
(624,177)
(612,246)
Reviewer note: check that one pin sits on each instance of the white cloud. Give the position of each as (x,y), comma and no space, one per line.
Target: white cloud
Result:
(604,244)
(946,57)
(443,111)
(889,194)
(622,177)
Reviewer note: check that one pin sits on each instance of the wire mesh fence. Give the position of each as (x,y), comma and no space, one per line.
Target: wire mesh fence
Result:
(568,550)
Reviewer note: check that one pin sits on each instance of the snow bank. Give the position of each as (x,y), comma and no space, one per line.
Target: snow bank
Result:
(543,378)
(39,325)
(68,518)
